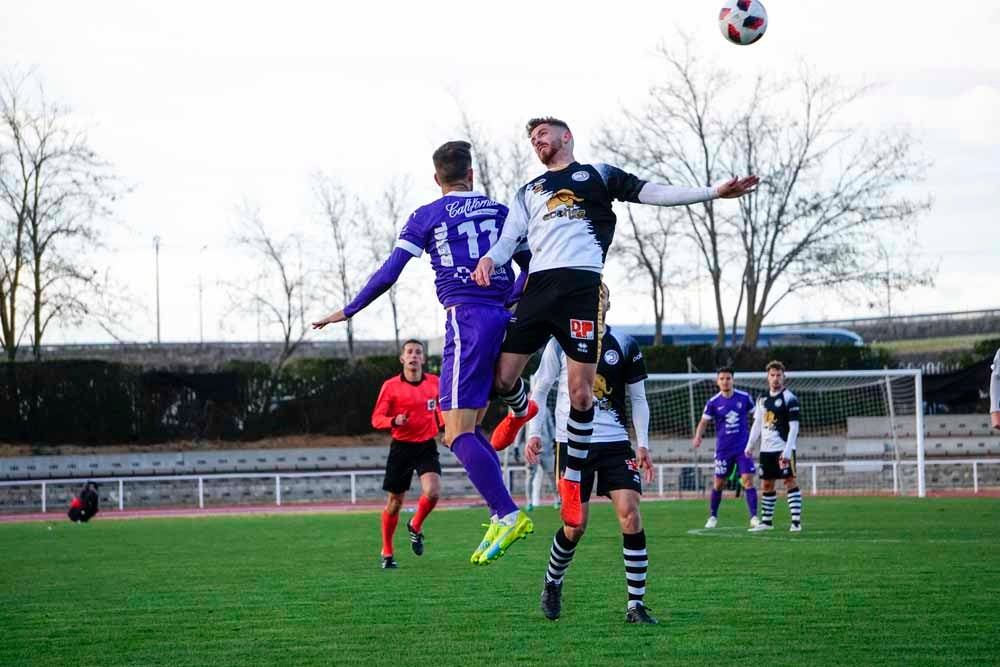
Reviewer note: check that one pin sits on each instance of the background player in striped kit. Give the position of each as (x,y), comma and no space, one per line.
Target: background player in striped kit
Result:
(611,461)
(995,392)
(455,230)
(407,404)
(730,410)
(776,423)
(567,216)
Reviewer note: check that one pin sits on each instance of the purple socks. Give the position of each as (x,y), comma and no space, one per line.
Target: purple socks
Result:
(751,495)
(483,468)
(716,501)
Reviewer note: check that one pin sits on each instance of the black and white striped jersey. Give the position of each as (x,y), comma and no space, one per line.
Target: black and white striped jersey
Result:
(566,215)
(777,412)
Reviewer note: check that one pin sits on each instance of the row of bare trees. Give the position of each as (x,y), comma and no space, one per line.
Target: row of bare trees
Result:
(55,193)
(832,209)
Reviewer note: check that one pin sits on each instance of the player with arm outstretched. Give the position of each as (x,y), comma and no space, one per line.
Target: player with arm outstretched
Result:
(566,215)
(611,461)
(730,409)
(776,425)
(455,230)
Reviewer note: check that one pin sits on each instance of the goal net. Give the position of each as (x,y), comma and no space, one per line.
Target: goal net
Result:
(861,432)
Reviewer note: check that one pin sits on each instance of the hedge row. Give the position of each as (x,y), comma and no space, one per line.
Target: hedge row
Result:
(94,402)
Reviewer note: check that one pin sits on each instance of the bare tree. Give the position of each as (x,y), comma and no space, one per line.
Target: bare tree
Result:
(827,190)
(339,222)
(500,168)
(646,244)
(828,202)
(382,222)
(54,189)
(678,138)
(279,290)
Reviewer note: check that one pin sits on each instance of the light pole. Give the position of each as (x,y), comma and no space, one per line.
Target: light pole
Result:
(201,292)
(156,246)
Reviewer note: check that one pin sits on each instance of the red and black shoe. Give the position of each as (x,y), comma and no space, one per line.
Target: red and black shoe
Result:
(506,431)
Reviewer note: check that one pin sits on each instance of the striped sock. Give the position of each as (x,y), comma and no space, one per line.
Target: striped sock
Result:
(767,500)
(636,563)
(516,399)
(795,505)
(579,429)
(560,557)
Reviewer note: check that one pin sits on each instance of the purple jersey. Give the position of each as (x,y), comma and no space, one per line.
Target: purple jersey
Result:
(456,230)
(731,423)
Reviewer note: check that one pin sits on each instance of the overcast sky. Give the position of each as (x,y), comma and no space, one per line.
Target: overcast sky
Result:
(202,105)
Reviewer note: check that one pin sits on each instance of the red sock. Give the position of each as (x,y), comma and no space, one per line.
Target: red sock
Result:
(389,522)
(424,507)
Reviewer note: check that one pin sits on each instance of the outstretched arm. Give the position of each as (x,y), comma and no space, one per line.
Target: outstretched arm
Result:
(381,280)
(659,194)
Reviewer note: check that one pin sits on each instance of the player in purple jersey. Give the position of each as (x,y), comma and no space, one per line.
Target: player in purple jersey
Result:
(454,231)
(729,410)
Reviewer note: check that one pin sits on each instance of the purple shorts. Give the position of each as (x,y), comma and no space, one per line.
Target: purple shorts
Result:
(724,464)
(472,338)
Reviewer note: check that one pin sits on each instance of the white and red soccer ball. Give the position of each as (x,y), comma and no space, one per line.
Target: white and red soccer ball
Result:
(743,21)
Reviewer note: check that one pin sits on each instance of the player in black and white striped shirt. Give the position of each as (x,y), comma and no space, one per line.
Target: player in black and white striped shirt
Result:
(776,423)
(566,215)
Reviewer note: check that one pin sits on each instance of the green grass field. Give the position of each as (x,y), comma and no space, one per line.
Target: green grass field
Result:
(868,582)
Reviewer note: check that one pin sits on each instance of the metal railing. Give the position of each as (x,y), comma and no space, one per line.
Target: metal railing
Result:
(807,470)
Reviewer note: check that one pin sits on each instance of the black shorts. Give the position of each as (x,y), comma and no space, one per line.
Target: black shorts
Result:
(770,468)
(405,458)
(613,464)
(565,303)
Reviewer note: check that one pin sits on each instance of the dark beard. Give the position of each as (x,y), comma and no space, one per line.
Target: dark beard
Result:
(547,154)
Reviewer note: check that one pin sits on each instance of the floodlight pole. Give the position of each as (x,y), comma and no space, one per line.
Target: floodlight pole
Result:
(156,246)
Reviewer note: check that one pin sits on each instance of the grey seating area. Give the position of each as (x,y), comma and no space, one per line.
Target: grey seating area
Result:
(200,462)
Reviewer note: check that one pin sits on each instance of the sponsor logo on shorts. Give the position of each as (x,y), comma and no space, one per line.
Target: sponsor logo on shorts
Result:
(632,465)
(580,176)
(611,357)
(582,347)
(582,329)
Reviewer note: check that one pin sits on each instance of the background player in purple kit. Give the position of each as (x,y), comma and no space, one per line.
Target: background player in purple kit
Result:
(454,231)
(729,410)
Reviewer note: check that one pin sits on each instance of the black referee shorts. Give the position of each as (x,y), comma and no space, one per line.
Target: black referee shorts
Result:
(405,458)
(565,303)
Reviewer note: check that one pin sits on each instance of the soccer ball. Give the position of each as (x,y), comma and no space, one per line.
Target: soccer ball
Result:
(743,21)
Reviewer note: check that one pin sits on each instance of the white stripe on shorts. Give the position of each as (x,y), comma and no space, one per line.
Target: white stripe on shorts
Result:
(455,364)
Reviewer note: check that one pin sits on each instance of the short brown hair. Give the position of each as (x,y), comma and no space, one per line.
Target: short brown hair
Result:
(775,364)
(452,161)
(410,341)
(545,120)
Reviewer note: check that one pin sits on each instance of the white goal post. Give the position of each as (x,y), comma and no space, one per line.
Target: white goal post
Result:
(861,427)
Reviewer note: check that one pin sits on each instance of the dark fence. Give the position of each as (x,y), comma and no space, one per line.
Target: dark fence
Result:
(98,402)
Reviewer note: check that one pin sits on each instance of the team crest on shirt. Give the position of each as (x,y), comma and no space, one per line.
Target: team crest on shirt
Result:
(777,403)
(580,176)
(563,204)
(581,329)
(611,357)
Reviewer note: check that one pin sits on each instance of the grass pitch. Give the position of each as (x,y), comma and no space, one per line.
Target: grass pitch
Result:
(869,581)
